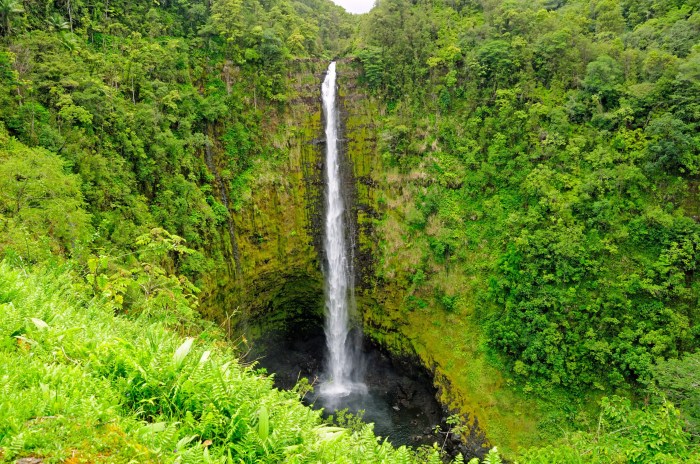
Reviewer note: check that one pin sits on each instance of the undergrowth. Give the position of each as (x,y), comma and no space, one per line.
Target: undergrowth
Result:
(81,384)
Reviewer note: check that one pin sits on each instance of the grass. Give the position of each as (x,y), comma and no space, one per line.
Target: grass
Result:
(476,387)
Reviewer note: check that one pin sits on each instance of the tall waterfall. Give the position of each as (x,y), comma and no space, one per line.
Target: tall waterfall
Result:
(340,366)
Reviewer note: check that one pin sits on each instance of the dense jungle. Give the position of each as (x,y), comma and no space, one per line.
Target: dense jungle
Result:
(522,186)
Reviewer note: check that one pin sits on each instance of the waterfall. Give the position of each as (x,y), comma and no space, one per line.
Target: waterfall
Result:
(341,373)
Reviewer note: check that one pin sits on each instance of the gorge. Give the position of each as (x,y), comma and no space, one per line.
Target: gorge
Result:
(504,234)
(356,375)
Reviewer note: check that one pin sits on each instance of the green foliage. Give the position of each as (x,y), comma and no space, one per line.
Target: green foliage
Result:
(541,184)
(373,67)
(137,108)
(8,10)
(672,146)
(41,205)
(146,287)
(558,176)
(496,63)
(623,434)
(76,378)
(678,379)
(603,80)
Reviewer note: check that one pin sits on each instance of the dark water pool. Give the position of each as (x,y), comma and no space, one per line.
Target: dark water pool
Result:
(400,403)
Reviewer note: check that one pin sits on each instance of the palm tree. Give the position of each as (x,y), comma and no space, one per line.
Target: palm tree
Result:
(7,9)
(56,22)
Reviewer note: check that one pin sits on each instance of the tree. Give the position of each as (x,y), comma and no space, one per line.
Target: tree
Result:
(498,63)
(672,147)
(9,8)
(227,18)
(603,79)
(57,23)
(41,206)
(623,434)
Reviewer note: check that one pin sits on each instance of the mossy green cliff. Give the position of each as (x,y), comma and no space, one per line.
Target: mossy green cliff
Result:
(276,220)
(278,236)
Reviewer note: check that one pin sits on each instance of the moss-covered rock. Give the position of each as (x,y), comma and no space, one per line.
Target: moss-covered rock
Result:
(277,228)
(402,300)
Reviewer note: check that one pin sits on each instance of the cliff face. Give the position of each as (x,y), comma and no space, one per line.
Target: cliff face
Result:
(278,233)
(274,242)
(277,222)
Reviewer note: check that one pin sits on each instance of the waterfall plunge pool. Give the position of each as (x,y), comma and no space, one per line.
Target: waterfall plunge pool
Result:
(401,404)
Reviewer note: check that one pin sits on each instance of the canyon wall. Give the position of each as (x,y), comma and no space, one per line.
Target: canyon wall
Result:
(278,229)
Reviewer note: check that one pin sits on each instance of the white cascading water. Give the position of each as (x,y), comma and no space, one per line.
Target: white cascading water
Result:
(340,361)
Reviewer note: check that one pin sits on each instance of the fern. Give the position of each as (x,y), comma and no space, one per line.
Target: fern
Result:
(493,457)
(76,371)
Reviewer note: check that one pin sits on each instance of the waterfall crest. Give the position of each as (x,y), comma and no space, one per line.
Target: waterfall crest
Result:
(341,370)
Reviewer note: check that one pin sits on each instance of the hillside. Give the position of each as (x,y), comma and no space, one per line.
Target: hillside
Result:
(539,199)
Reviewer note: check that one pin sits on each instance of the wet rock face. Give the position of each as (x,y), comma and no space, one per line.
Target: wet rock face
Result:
(277,226)
(469,439)
(276,298)
(359,150)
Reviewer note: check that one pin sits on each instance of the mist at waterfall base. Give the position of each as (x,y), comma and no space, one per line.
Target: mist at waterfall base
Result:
(400,399)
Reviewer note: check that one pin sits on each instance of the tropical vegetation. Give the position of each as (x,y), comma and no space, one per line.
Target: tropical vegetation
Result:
(531,211)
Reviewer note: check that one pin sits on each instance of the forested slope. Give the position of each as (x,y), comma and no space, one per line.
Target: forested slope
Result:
(540,198)
(157,108)
(181,116)
(81,385)
(129,134)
